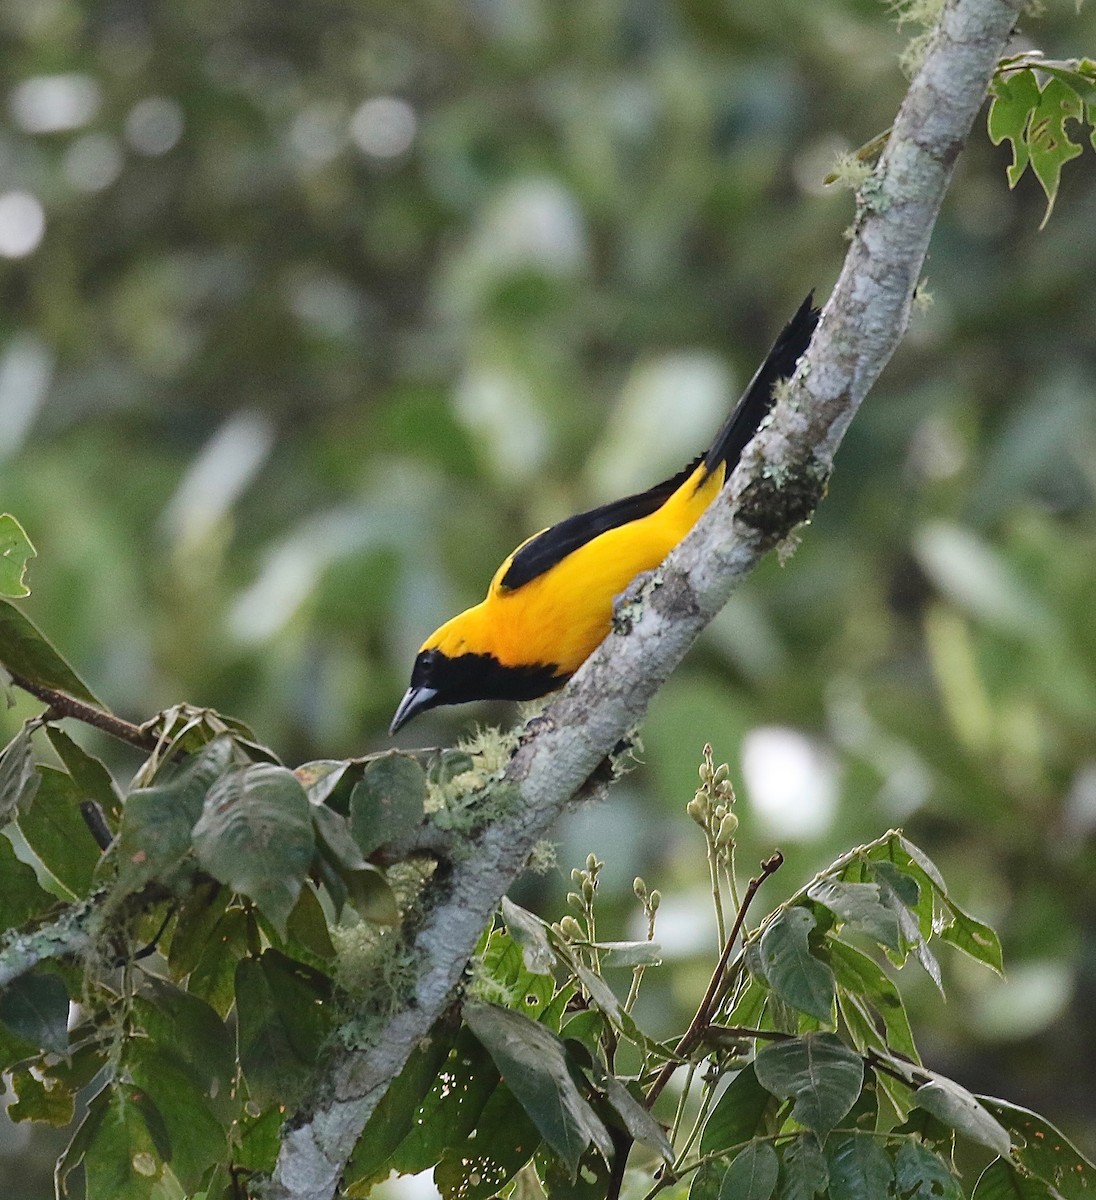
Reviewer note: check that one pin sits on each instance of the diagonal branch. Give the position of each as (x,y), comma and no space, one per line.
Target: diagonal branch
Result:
(778,484)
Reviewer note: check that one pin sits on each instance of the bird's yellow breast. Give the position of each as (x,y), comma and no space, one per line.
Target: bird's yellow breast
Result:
(563,615)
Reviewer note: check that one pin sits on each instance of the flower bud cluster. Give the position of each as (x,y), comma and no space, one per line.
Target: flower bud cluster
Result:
(710,807)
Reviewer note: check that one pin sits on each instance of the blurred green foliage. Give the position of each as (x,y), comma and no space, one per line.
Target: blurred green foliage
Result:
(309,313)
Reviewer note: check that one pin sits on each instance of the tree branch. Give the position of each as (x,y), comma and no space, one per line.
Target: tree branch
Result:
(61,704)
(778,484)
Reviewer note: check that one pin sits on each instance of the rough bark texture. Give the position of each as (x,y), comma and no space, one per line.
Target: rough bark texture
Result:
(777,485)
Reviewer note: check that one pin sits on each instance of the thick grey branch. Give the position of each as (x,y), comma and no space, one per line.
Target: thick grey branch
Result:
(776,486)
(71,933)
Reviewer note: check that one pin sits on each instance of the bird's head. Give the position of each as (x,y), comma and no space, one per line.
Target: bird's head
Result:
(453,667)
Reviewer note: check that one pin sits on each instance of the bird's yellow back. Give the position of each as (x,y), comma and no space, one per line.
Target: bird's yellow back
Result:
(562,615)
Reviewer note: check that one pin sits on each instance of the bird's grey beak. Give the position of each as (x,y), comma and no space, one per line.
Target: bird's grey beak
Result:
(414,701)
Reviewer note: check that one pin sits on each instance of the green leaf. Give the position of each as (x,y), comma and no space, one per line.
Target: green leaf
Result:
(157,821)
(752,1174)
(637,1120)
(195,1137)
(707,1180)
(259,1140)
(387,802)
(528,932)
(1002,1181)
(863,977)
(858,905)
(912,904)
(213,976)
(41,1099)
(191,1033)
(792,971)
(533,1062)
(15,550)
(275,1071)
(25,652)
(255,835)
(35,1007)
(1042,1149)
(371,895)
(89,773)
(620,955)
(803,1171)
(501,1144)
(55,831)
(739,1114)
(1015,96)
(20,896)
(957,1107)
(195,921)
(394,1117)
(973,938)
(859,1168)
(923,1175)
(335,840)
(819,1071)
(123,1160)
(18,778)
(307,929)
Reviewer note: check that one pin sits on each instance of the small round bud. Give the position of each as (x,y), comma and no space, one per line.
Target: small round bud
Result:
(705,773)
(588,889)
(592,863)
(727,828)
(571,929)
(639,888)
(720,811)
(722,773)
(654,900)
(576,875)
(574,899)
(697,809)
(725,791)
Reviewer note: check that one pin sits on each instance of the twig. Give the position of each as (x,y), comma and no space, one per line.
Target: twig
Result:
(700,1022)
(63,705)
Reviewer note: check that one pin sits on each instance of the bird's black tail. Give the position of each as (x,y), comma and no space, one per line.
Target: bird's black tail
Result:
(757,399)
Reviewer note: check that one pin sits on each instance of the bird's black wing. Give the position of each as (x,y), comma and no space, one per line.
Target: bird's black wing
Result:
(542,552)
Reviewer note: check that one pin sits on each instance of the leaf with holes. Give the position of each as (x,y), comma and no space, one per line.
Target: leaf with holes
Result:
(819,1071)
(387,802)
(858,905)
(15,551)
(1002,1181)
(1044,1151)
(922,1174)
(957,1107)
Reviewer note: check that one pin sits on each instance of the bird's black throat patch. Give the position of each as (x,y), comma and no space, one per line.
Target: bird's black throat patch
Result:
(466,677)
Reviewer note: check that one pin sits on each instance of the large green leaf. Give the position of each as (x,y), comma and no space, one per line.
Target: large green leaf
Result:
(739,1113)
(973,937)
(56,832)
(20,896)
(35,1007)
(1043,1150)
(752,1175)
(157,821)
(15,550)
(819,1071)
(255,835)
(124,1157)
(387,802)
(273,1053)
(803,1170)
(25,652)
(866,979)
(792,971)
(529,933)
(859,1168)
(196,1139)
(533,1062)
(957,1107)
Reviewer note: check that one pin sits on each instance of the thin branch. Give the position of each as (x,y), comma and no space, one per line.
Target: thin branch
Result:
(61,704)
(712,997)
(775,487)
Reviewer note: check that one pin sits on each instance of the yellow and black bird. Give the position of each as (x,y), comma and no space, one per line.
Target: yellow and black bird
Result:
(550,604)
